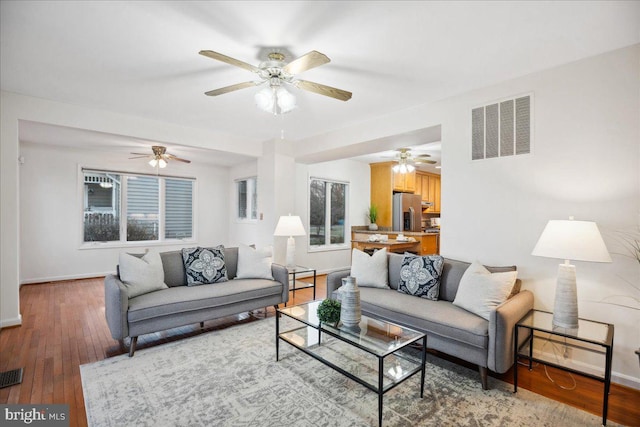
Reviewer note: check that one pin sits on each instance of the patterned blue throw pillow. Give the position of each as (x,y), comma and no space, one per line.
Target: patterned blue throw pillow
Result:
(204,265)
(420,276)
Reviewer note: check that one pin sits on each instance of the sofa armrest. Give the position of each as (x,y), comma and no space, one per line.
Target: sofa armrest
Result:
(502,323)
(116,306)
(281,274)
(334,280)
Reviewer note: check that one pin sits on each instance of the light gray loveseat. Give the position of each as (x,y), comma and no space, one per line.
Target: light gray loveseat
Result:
(181,305)
(449,328)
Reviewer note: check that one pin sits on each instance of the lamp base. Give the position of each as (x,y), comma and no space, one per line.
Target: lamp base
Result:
(565,310)
(291,252)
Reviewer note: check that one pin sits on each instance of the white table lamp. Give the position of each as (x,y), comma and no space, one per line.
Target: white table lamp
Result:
(290,225)
(570,240)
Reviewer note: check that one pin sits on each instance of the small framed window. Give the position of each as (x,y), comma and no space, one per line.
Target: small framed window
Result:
(328,214)
(247,196)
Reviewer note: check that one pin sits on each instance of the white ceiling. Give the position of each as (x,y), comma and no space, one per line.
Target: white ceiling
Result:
(141,57)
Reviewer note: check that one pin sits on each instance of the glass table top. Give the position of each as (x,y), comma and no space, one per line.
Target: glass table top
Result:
(587,330)
(377,336)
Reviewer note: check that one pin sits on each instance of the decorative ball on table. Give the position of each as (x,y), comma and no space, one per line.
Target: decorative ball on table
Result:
(329,312)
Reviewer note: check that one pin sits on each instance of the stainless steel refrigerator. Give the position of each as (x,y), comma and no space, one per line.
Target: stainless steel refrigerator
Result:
(407,212)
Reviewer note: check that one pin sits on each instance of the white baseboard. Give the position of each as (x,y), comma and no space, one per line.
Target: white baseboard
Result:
(16,321)
(62,278)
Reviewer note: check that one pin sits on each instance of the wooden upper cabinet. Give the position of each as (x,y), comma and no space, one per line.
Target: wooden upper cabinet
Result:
(430,190)
(404,182)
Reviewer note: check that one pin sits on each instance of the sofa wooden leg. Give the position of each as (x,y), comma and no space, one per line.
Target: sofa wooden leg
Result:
(132,346)
(483,377)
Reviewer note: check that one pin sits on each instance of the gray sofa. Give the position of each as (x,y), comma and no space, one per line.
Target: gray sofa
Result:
(181,305)
(450,329)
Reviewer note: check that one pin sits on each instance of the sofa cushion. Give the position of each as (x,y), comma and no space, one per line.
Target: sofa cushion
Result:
(370,270)
(452,272)
(433,317)
(395,264)
(204,265)
(189,298)
(254,263)
(141,275)
(481,291)
(420,276)
(173,266)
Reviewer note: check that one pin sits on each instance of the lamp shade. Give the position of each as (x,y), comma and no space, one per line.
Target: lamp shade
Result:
(289,225)
(572,240)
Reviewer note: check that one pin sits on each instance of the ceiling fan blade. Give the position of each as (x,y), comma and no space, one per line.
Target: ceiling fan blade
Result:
(172,157)
(306,62)
(429,162)
(229,60)
(231,88)
(340,94)
(140,156)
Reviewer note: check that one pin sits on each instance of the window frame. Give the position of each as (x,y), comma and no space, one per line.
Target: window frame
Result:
(251,199)
(123,242)
(347,229)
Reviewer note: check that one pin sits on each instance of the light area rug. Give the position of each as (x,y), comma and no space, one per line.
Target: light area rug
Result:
(230,377)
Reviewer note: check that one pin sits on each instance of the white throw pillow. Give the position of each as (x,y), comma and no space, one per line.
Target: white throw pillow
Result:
(370,271)
(481,291)
(254,263)
(141,275)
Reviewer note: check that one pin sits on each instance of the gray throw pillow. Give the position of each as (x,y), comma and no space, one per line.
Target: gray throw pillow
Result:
(420,276)
(204,265)
(141,274)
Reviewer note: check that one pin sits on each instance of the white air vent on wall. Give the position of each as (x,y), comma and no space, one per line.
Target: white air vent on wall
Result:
(501,129)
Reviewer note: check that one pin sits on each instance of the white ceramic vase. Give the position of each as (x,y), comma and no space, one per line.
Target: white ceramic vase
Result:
(350,311)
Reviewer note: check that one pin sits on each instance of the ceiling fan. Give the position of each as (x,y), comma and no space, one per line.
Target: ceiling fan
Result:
(407,160)
(275,98)
(160,157)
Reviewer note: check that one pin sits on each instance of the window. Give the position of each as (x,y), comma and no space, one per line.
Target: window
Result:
(327,212)
(155,208)
(247,190)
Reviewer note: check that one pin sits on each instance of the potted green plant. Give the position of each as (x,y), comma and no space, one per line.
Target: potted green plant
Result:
(329,311)
(373,217)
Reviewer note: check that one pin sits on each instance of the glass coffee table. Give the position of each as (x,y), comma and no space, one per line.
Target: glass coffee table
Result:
(372,354)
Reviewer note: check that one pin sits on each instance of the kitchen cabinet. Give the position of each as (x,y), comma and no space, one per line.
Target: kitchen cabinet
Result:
(404,182)
(429,190)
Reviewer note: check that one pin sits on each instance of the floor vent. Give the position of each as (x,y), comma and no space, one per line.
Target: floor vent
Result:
(9,378)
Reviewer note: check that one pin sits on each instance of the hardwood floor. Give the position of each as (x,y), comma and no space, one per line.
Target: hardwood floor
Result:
(64,327)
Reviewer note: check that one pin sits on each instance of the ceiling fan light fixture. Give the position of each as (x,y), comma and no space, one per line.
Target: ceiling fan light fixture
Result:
(153,163)
(265,99)
(286,100)
(162,163)
(275,99)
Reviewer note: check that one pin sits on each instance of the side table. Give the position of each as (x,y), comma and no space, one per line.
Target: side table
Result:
(590,337)
(297,284)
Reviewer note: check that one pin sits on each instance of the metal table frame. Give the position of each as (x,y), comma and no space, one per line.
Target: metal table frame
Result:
(298,269)
(528,322)
(380,389)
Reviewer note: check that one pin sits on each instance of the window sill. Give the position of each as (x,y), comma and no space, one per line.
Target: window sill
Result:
(313,249)
(141,244)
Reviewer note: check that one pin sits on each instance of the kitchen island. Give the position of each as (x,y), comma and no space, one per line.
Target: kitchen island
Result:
(426,243)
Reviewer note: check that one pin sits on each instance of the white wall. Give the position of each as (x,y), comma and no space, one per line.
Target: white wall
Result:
(585,162)
(51,211)
(15,107)
(358,176)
